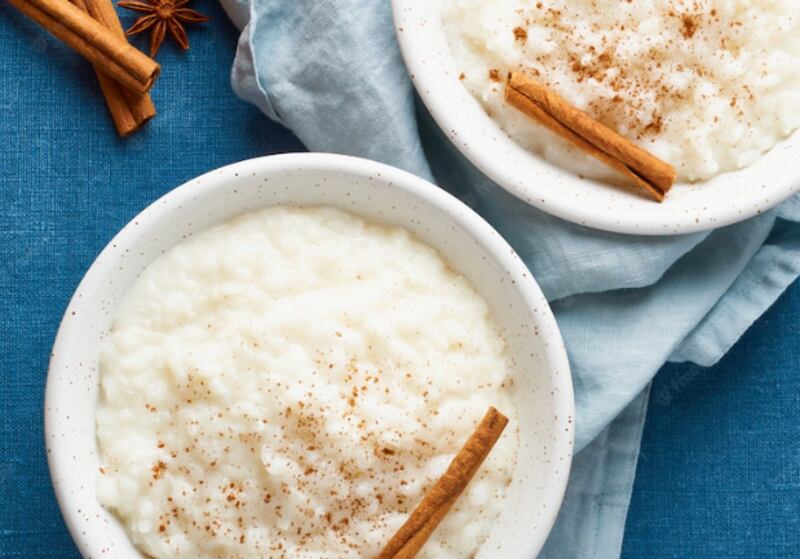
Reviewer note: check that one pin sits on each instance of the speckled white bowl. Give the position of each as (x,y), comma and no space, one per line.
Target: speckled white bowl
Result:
(380,193)
(726,199)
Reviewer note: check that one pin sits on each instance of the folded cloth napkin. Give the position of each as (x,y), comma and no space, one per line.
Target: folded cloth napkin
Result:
(331,71)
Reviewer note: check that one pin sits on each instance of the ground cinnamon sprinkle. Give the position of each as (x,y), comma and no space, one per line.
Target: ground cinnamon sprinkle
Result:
(690,24)
(634,91)
(158,469)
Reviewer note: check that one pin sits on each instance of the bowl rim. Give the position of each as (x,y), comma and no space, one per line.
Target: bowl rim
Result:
(689,208)
(475,226)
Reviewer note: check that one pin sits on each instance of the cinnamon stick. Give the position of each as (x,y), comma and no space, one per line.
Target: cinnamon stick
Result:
(129,110)
(647,171)
(113,55)
(413,534)
(104,12)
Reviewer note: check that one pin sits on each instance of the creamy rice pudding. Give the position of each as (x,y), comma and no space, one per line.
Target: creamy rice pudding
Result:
(706,85)
(289,384)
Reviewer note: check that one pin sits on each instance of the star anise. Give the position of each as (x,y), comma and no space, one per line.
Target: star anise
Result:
(162,16)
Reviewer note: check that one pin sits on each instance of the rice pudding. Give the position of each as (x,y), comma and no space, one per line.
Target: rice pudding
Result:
(289,384)
(706,85)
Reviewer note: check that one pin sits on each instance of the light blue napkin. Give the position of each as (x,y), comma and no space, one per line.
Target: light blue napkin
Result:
(331,71)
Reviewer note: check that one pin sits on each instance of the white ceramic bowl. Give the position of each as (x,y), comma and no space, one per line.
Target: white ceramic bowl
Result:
(688,208)
(379,193)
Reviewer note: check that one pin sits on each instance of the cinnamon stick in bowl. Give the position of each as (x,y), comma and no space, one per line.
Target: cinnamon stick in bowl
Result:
(648,172)
(438,500)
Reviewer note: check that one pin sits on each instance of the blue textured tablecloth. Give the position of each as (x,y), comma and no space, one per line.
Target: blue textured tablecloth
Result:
(720,470)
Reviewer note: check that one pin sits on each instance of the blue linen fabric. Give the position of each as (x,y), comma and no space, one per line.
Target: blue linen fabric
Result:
(719,471)
(332,73)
